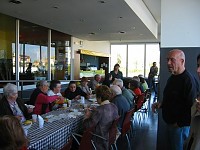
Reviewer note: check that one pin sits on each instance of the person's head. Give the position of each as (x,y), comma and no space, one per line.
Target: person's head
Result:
(142,80)
(12,135)
(134,84)
(154,64)
(116,67)
(10,91)
(102,93)
(136,78)
(176,61)
(72,86)
(84,81)
(198,65)
(116,90)
(118,82)
(43,86)
(55,86)
(97,77)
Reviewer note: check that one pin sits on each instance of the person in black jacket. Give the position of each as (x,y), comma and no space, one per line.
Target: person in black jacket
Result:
(73,92)
(178,97)
(10,104)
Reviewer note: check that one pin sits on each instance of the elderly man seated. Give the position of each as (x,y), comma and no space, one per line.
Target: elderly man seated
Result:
(129,95)
(95,82)
(10,104)
(120,101)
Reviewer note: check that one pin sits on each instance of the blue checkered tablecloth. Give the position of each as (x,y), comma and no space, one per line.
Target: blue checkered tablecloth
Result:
(55,134)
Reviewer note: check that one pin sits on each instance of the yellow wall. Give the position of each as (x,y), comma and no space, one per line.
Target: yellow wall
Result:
(7,35)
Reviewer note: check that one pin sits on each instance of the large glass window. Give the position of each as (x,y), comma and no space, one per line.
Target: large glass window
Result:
(152,55)
(118,55)
(135,59)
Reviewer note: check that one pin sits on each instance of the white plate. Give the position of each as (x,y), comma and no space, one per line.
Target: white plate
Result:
(95,105)
(49,116)
(29,106)
(92,99)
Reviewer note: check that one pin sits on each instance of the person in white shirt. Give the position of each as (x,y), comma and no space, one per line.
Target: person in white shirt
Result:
(55,87)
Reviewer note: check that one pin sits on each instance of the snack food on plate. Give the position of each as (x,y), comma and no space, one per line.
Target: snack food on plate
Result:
(27,122)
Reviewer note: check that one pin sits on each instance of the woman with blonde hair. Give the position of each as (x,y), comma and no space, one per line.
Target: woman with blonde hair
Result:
(12,135)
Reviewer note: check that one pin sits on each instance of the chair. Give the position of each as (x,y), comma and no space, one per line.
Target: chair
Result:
(126,126)
(68,145)
(113,133)
(86,139)
(140,101)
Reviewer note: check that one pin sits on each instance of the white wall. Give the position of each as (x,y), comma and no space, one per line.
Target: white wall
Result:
(180,23)
(97,46)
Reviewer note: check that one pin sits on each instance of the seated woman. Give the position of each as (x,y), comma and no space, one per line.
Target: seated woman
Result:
(73,92)
(10,104)
(134,86)
(12,135)
(102,117)
(84,86)
(55,87)
(42,102)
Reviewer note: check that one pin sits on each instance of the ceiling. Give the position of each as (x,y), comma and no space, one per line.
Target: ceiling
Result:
(93,20)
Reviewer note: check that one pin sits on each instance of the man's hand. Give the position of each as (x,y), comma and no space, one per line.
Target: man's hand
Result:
(155,106)
(198,104)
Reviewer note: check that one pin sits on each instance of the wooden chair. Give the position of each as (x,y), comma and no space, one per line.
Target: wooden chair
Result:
(86,139)
(126,126)
(113,133)
(68,145)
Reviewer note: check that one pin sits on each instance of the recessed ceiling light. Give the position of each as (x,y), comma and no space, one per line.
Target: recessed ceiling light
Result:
(102,1)
(92,33)
(122,32)
(15,1)
(82,20)
(56,6)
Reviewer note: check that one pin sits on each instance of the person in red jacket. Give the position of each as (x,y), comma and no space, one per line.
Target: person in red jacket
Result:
(43,101)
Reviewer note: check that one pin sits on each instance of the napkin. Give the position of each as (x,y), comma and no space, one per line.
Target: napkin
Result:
(41,121)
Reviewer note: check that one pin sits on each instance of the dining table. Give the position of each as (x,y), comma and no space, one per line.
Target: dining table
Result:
(58,126)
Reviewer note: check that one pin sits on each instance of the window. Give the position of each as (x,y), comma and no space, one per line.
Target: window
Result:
(135,59)
(118,55)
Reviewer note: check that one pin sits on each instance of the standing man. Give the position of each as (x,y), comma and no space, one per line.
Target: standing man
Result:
(151,80)
(178,96)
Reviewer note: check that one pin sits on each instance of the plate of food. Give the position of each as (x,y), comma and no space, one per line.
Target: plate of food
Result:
(27,122)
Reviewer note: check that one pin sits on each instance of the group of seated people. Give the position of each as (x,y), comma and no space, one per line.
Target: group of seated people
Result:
(115,100)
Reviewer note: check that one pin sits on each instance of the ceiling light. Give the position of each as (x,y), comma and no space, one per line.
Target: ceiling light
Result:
(122,32)
(56,7)
(15,1)
(82,20)
(92,33)
(102,2)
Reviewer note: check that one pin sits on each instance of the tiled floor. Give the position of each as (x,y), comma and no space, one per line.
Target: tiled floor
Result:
(145,131)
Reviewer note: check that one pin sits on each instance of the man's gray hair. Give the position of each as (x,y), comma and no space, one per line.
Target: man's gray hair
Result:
(116,90)
(10,89)
(118,82)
